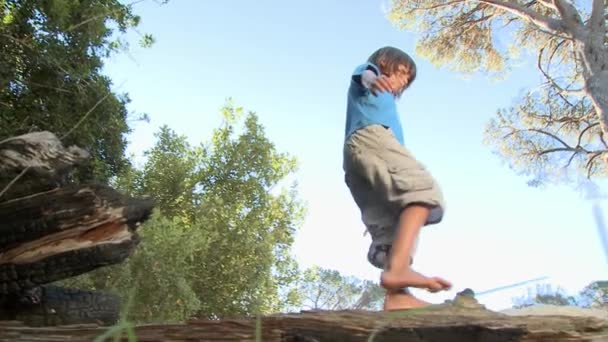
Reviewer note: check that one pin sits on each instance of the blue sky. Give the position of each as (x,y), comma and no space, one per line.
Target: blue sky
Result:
(290,62)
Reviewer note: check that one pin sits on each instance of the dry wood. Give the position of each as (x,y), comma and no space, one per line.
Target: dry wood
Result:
(439,324)
(65,232)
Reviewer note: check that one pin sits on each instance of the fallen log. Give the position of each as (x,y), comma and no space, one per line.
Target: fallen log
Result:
(41,152)
(65,232)
(51,231)
(53,305)
(39,161)
(450,322)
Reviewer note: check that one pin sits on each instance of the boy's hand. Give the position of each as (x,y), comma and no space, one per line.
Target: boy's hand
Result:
(380,84)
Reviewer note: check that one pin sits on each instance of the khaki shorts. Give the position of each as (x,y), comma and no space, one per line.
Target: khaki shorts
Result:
(384,178)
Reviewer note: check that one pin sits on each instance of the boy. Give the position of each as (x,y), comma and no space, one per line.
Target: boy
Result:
(397,196)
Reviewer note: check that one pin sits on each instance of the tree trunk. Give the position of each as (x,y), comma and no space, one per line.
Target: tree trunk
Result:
(595,71)
(597,88)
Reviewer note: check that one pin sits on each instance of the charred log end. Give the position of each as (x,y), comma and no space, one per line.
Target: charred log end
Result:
(74,240)
(65,211)
(52,305)
(39,160)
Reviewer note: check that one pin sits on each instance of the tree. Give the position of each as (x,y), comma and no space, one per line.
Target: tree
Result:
(325,289)
(219,245)
(154,283)
(595,295)
(544,294)
(50,75)
(560,127)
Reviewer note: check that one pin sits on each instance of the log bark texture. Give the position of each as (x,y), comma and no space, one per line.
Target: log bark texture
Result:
(440,324)
(65,232)
(50,231)
(39,160)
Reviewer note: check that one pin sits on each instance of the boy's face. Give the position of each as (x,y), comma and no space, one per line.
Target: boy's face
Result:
(399,79)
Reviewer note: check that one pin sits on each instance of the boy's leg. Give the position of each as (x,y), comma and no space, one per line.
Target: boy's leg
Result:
(402,298)
(400,274)
(386,176)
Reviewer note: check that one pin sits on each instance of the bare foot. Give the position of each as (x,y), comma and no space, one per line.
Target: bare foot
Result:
(393,280)
(402,301)
(438,284)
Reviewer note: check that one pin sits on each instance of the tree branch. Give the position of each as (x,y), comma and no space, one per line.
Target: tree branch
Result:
(316,301)
(591,160)
(602,139)
(547,3)
(551,81)
(547,23)
(333,295)
(571,158)
(570,15)
(580,136)
(540,131)
(550,119)
(447,4)
(597,21)
(558,149)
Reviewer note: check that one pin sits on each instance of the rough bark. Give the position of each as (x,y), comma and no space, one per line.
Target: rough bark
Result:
(438,324)
(596,87)
(52,305)
(37,161)
(62,231)
(41,152)
(65,232)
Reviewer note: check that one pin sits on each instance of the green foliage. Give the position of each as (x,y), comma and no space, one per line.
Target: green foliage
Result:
(156,278)
(453,33)
(50,75)
(594,295)
(550,132)
(544,294)
(219,244)
(325,289)
(548,140)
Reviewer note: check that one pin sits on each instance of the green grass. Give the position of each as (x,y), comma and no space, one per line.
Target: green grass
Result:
(258,329)
(123,325)
(116,332)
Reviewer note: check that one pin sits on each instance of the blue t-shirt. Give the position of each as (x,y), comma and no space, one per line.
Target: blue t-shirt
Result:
(364,109)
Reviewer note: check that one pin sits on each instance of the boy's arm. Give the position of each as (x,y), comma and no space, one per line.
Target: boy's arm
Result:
(365,74)
(369,77)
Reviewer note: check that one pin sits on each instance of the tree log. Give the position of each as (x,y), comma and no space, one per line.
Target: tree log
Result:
(40,161)
(65,232)
(41,152)
(438,324)
(52,305)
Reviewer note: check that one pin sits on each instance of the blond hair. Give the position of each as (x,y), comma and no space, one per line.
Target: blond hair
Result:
(389,58)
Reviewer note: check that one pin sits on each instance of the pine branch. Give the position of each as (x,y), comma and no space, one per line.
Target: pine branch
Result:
(570,16)
(597,22)
(551,81)
(555,26)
